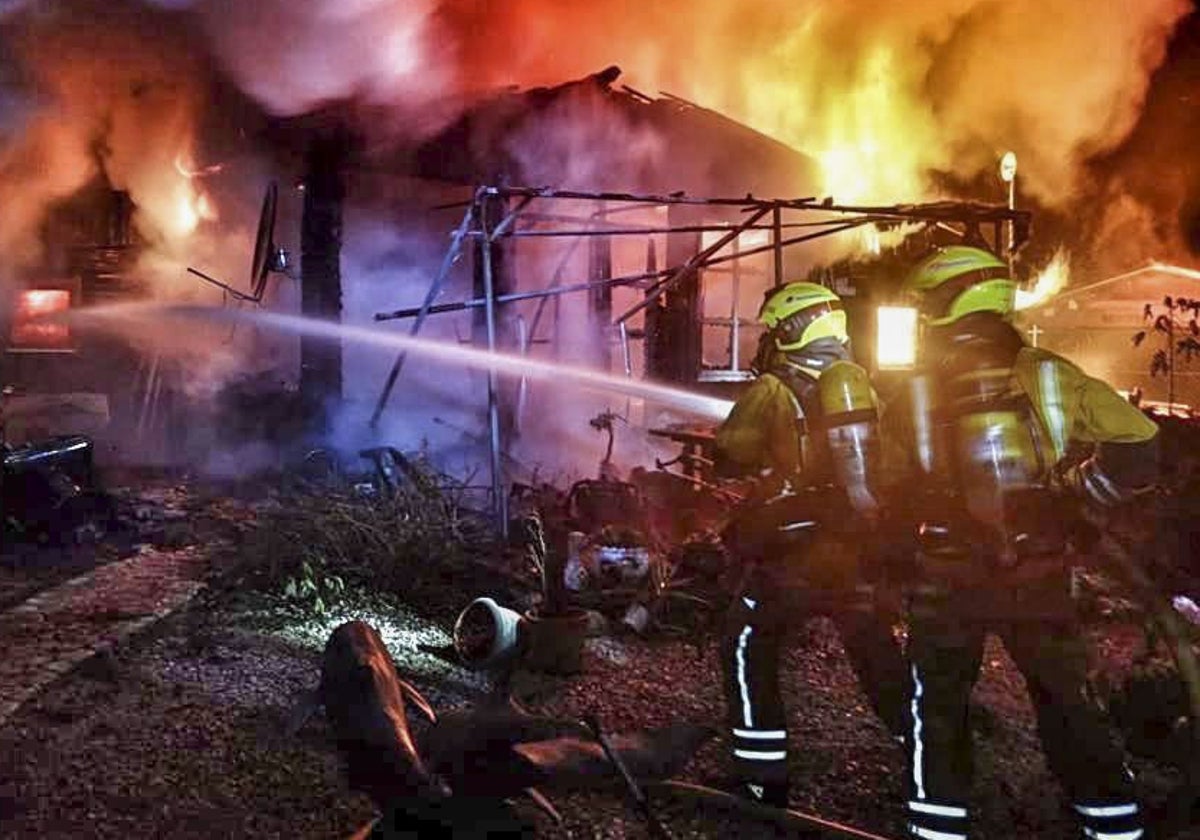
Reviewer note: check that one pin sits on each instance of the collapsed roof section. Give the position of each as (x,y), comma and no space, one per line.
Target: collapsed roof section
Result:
(588,134)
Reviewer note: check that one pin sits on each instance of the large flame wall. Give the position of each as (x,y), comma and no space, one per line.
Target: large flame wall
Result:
(894,100)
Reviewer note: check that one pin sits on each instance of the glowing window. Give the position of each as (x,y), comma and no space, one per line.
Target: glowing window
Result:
(895,337)
(32,328)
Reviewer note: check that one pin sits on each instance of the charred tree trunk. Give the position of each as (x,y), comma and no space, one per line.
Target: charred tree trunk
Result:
(321,275)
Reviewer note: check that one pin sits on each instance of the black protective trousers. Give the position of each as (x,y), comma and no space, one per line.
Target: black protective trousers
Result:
(755,630)
(945,649)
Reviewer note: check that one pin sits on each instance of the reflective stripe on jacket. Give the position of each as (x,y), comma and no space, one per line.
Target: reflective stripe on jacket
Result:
(1073,406)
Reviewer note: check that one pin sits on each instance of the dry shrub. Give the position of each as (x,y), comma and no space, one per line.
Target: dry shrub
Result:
(323,539)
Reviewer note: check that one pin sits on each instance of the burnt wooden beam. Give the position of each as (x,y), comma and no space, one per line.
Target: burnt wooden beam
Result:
(320,268)
(674,330)
(600,297)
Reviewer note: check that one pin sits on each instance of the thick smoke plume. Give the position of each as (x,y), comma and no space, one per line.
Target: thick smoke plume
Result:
(883,94)
(165,99)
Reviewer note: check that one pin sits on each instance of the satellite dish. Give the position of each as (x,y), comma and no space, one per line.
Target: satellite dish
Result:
(266,253)
(268,256)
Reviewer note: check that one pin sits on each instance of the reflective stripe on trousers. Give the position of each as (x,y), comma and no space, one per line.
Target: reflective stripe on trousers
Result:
(757,722)
(936,820)
(761,745)
(1110,820)
(916,745)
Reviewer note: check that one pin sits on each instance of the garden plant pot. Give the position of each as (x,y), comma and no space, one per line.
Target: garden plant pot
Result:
(487,634)
(555,642)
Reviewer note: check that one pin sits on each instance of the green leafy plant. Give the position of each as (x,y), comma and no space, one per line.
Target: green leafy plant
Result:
(314,587)
(1176,323)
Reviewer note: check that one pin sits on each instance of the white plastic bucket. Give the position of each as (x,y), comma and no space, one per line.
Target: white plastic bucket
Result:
(503,630)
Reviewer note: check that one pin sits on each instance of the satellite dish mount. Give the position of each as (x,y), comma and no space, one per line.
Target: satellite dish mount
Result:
(268,257)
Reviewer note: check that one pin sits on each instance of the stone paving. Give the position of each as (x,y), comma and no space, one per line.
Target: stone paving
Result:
(47,635)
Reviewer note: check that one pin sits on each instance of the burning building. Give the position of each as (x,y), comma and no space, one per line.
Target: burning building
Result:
(181,113)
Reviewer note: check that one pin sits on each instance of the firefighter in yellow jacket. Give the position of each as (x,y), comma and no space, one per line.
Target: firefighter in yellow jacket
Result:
(988,424)
(807,429)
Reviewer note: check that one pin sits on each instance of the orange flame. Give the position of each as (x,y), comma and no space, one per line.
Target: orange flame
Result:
(1048,282)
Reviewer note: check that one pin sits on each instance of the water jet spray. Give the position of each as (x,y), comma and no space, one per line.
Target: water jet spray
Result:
(711,408)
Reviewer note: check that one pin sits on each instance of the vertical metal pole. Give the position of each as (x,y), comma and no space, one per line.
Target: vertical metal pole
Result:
(1012,197)
(499,500)
(626,358)
(735,327)
(627,361)
(777,224)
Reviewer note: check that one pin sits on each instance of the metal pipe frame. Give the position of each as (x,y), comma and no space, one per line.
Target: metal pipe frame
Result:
(495,445)
(601,229)
(625,280)
(435,288)
(662,281)
(693,264)
(740,255)
(962,211)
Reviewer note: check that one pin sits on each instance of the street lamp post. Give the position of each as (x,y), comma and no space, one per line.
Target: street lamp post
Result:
(1008,174)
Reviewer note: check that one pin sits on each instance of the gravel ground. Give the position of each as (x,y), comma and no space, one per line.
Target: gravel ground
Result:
(157,512)
(26,569)
(180,734)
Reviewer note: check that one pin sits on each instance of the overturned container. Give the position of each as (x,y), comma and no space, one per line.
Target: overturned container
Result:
(488,635)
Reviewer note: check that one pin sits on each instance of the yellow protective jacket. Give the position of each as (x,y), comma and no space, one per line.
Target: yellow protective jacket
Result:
(1075,407)
(762,431)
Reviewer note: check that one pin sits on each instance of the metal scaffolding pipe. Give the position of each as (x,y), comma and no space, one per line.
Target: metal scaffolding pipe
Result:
(625,280)
(499,499)
(777,240)
(435,288)
(693,264)
(603,230)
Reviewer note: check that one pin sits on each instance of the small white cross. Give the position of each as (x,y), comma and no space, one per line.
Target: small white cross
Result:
(1034,332)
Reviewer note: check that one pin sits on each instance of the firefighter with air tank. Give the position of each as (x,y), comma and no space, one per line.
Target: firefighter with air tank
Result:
(984,428)
(807,431)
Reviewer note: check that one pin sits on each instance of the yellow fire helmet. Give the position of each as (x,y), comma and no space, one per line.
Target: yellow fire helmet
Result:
(961,279)
(800,313)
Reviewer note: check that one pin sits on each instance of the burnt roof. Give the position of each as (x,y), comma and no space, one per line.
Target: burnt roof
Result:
(588,134)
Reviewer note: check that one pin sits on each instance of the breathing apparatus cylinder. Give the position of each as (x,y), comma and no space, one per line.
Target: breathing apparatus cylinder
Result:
(929,430)
(998,449)
(975,437)
(850,418)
